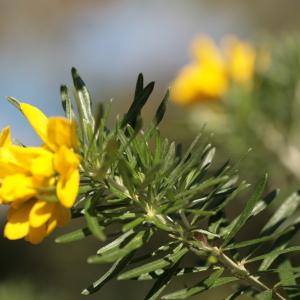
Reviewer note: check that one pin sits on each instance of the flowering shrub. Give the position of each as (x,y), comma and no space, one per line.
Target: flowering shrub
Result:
(136,185)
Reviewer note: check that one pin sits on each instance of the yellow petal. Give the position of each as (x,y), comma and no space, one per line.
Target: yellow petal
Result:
(5,138)
(62,214)
(51,224)
(67,188)
(17,187)
(43,164)
(65,160)
(61,131)
(205,50)
(60,217)
(36,119)
(17,225)
(241,59)
(196,83)
(36,235)
(40,213)
(21,158)
(8,163)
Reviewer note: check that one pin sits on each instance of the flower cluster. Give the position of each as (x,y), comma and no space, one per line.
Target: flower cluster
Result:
(39,184)
(209,75)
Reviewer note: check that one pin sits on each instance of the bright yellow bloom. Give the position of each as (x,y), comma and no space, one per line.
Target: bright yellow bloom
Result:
(241,60)
(211,71)
(205,78)
(39,183)
(34,220)
(59,136)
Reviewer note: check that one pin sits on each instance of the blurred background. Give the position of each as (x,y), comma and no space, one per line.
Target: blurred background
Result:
(110,42)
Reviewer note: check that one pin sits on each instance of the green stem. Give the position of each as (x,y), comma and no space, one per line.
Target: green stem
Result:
(238,270)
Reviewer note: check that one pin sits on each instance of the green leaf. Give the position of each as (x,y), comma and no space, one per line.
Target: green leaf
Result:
(286,274)
(266,295)
(114,270)
(155,265)
(73,236)
(92,220)
(85,104)
(162,249)
(280,244)
(207,157)
(139,85)
(132,224)
(180,272)
(247,212)
(15,102)
(83,101)
(235,294)
(134,243)
(248,243)
(274,252)
(200,212)
(67,103)
(263,204)
(141,97)
(127,175)
(161,109)
(162,282)
(203,285)
(116,243)
(287,208)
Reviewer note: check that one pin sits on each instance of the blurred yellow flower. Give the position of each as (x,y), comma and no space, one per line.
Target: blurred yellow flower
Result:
(39,183)
(211,71)
(240,60)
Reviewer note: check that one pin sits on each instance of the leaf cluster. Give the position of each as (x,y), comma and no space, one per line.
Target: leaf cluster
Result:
(137,187)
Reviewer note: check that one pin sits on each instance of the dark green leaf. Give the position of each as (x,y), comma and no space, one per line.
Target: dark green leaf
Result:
(266,295)
(134,243)
(274,252)
(287,208)
(154,265)
(161,109)
(286,274)
(66,102)
(92,220)
(114,270)
(246,214)
(162,282)
(205,284)
(73,236)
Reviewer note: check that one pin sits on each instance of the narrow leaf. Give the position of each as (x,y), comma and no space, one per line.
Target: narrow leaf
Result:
(135,243)
(73,236)
(245,215)
(203,285)
(115,269)
(154,265)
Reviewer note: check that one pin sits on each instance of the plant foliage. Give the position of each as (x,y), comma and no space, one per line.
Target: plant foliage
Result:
(137,187)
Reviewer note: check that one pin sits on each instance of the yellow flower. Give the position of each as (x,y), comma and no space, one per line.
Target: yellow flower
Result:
(209,75)
(34,220)
(39,183)
(205,79)
(59,136)
(240,60)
